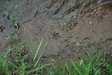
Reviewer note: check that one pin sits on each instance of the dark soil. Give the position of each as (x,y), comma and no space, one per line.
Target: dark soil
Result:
(70,27)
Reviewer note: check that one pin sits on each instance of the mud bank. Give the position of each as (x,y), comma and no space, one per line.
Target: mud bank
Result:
(70,27)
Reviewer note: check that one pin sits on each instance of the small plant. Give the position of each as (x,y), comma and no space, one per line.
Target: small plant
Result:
(83,68)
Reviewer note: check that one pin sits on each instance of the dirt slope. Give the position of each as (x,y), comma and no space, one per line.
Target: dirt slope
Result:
(70,27)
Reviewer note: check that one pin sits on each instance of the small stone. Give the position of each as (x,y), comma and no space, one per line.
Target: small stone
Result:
(90,22)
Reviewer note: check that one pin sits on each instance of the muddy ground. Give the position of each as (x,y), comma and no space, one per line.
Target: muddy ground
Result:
(69,27)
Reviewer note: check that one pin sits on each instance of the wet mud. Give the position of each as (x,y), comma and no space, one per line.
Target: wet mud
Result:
(70,27)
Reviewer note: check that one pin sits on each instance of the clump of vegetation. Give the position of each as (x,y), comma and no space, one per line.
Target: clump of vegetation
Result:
(89,65)
(20,64)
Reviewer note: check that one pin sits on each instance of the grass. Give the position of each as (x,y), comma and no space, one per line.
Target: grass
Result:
(19,64)
(86,66)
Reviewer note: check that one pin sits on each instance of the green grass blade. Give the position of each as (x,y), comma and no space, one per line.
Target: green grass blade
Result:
(35,45)
(7,52)
(12,49)
(57,70)
(38,49)
(30,47)
(76,68)
(39,68)
(13,65)
(84,67)
(39,58)
(69,71)
(5,66)
(97,72)
(90,65)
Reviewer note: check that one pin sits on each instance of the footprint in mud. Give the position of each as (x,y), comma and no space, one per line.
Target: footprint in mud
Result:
(70,24)
(55,35)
